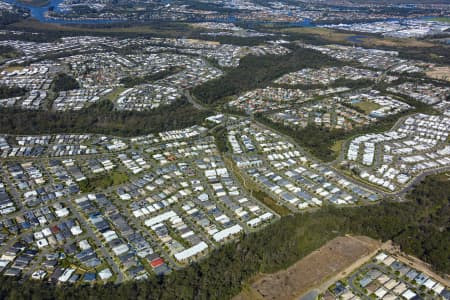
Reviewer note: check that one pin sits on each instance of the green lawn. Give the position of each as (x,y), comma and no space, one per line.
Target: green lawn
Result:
(367,106)
(114,94)
(337,146)
(442,19)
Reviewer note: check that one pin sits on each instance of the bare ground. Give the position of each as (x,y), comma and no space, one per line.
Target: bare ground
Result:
(442,73)
(331,262)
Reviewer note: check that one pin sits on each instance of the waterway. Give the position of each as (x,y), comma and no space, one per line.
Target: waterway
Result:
(40,13)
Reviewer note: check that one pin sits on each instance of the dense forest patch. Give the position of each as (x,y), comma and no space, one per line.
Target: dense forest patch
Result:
(101,118)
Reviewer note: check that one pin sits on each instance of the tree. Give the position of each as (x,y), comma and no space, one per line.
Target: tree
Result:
(64,82)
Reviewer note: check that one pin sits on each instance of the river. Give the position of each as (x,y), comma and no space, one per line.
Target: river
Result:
(40,13)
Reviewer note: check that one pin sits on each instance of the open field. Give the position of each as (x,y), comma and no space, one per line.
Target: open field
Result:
(114,95)
(12,68)
(337,146)
(391,42)
(248,293)
(442,19)
(367,106)
(330,262)
(442,73)
(324,33)
(334,36)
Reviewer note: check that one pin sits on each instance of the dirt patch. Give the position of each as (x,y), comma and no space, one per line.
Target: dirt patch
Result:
(332,260)
(12,68)
(441,73)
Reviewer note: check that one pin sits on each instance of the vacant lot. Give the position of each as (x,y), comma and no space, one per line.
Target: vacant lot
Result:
(321,266)
(392,42)
(324,33)
(337,146)
(336,36)
(442,73)
(12,68)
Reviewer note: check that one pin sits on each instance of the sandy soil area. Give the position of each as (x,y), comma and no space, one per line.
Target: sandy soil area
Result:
(318,270)
(442,73)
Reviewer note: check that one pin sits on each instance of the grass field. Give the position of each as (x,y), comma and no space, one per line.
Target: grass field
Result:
(337,146)
(334,36)
(390,42)
(366,106)
(114,95)
(248,294)
(12,68)
(327,34)
(442,19)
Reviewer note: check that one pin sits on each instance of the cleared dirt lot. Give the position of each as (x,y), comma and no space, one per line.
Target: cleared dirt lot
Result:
(330,262)
(442,73)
